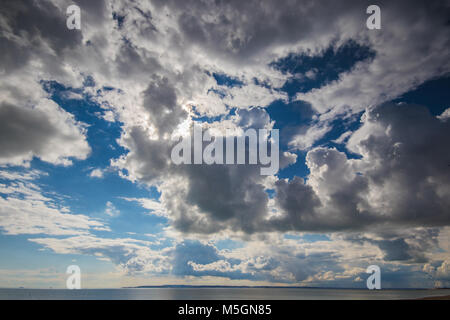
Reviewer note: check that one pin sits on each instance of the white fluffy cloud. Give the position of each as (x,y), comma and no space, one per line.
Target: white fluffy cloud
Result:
(409,40)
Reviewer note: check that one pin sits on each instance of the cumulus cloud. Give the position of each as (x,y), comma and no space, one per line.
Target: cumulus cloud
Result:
(160,100)
(381,187)
(36,43)
(153,72)
(46,132)
(389,74)
(399,179)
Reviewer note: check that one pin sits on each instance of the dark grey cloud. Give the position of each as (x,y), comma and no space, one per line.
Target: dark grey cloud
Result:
(298,201)
(242,29)
(400,179)
(23,131)
(229,196)
(147,159)
(408,162)
(194,251)
(94,8)
(160,100)
(132,62)
(13,56)
(404,245)
(31,132)
(255,118)
(39,22)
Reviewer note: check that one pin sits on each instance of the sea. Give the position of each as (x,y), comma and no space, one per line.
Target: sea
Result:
(218,294)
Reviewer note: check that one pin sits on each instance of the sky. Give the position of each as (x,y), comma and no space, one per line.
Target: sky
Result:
(88,118)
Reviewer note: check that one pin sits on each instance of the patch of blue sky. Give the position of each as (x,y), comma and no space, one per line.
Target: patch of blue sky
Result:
(89,81)
(223,79)
(229,244)
(271,193)
(314,237)
(261,83)
(299,168)
(207,119)
(135,219)
(338,127)
(314,71)
(18,253)
(201,118)
(219,92)
(288,118)
(308,237)
(434,94)
(120,19)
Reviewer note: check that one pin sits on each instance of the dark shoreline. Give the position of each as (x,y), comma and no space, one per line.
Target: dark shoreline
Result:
(435,298)
(176,286)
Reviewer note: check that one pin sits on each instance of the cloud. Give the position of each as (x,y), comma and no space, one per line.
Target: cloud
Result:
(410,245)
(305,140)
(419,34)
(37,20)
(155,207)
(400,178)
(25,209)
(130,255)
(111,209)
(439,272)
(382,186)
(153,72)
(148,159)
(46,132)
(277,260)
(97,173)
(445,115)
(160,100)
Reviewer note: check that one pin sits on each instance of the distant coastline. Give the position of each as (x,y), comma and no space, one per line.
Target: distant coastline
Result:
(176,286)
(435,298)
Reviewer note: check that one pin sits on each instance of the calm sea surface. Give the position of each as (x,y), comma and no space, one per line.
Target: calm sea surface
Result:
(214,294)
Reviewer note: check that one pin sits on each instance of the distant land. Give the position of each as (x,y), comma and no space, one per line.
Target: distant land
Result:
(266,287)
